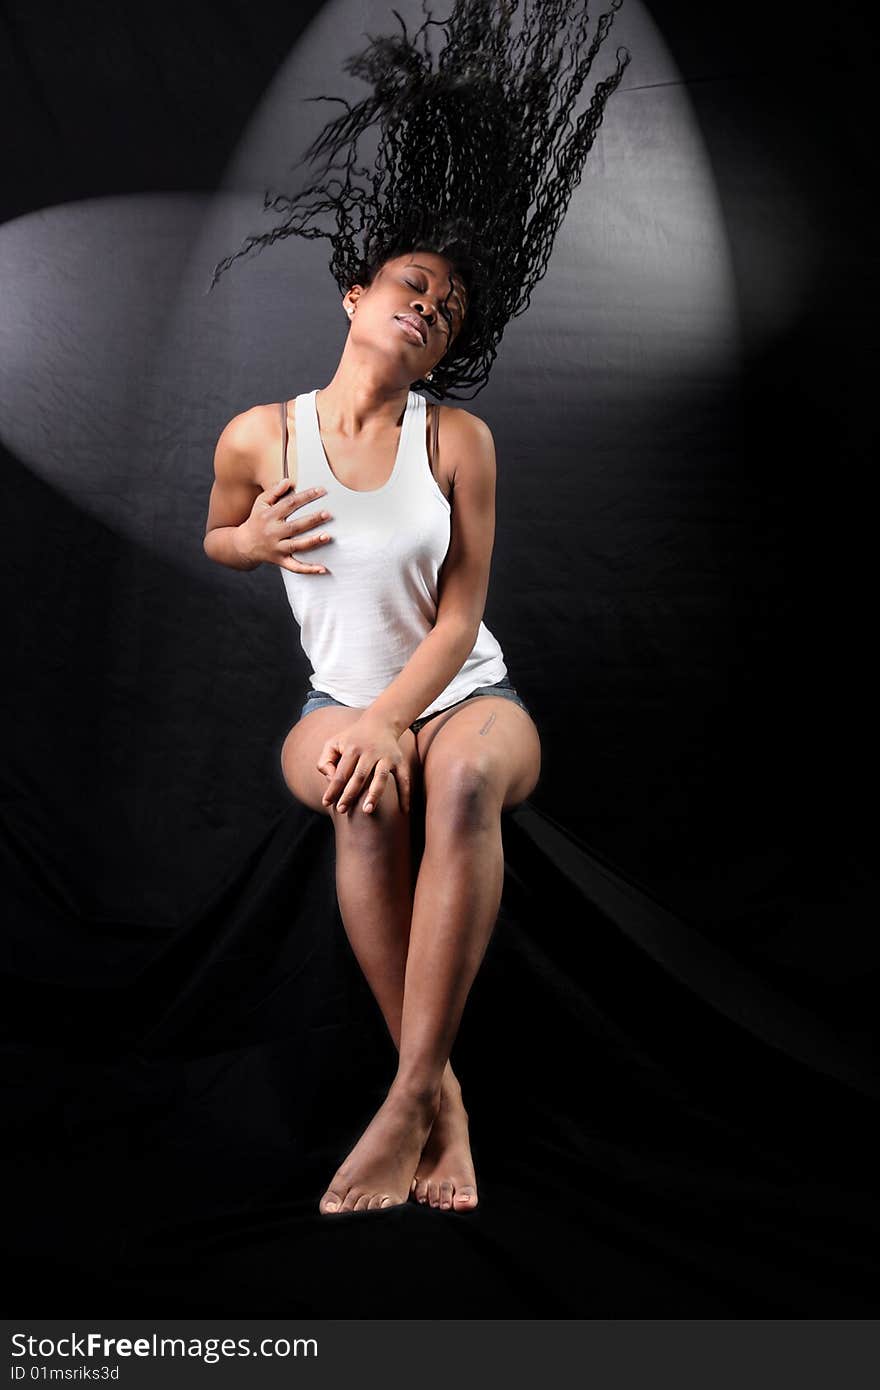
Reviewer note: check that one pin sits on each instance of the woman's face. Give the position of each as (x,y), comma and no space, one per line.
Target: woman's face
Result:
(415,287)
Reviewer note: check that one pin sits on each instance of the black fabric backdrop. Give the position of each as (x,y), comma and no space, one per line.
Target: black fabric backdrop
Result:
(669,1054)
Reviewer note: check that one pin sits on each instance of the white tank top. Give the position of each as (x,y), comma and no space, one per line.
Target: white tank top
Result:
(361,622)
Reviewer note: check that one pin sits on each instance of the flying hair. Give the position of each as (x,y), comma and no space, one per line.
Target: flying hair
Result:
(477,159)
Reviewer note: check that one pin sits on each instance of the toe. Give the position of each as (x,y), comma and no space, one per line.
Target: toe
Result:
(446,1195)
(375,1201)
(350,1198)
(433,1194)
(331,1201)
(422,1190)
(362,1202)
(465,1198)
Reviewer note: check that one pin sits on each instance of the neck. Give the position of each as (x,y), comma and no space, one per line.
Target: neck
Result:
(361,393)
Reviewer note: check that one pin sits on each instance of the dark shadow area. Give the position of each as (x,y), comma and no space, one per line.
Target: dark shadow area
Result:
(656,1132)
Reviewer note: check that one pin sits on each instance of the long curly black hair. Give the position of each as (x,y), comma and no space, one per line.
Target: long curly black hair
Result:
(477,160)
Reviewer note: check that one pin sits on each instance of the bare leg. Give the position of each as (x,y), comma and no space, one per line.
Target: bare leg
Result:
(374,890)
(375,893)
(454,911)
(456,904)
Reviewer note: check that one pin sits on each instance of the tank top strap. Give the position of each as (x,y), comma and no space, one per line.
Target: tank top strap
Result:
(412,444)
(435,427)
(284,437)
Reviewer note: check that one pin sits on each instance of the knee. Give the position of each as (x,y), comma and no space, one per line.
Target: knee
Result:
(465,798)
(371,829)
(384,823)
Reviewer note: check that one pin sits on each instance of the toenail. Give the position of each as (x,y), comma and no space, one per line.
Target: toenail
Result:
(331,1206)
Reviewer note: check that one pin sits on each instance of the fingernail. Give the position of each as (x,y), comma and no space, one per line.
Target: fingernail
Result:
(368,805)
(341,806)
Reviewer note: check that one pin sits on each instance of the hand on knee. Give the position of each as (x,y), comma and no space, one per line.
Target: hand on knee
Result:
(386,811)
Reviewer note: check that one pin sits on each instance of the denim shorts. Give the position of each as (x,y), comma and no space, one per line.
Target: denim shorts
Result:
(317,699)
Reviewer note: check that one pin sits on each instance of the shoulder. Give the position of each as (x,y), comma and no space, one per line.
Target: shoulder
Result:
(463,427)
(247,442)
(465,444)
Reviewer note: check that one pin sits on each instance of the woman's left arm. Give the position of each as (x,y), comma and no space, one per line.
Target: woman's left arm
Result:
(463,581)
(462,587)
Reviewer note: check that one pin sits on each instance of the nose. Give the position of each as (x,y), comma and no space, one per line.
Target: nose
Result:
(429,315)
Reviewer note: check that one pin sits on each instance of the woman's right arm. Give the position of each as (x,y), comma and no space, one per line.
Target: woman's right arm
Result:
(238,532)
(233,494)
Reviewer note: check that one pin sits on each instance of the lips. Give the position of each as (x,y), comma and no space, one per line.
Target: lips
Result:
(418,327)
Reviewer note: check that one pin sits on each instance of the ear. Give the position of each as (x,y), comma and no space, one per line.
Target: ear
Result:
(350,299)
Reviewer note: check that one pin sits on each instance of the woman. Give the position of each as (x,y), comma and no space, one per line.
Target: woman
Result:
(411,706)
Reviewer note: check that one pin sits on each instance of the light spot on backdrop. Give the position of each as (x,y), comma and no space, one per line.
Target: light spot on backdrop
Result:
(119,370)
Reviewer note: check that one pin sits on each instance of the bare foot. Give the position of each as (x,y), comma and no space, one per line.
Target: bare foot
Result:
(379,1170)
(445,1176)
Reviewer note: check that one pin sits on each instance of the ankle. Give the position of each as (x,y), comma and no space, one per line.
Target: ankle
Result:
(418,1090)
(450,1085)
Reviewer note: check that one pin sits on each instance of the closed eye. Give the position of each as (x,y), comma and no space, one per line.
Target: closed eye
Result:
(456,312)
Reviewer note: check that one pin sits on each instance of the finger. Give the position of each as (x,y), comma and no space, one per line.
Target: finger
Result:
(377,787)
(277,490)
(297,499)
(296,525)
(404,787)
(329,757)
(354,786)
(328,761)
(332,792)
(289,545)
(296,567)
(341,777)
(287,560)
